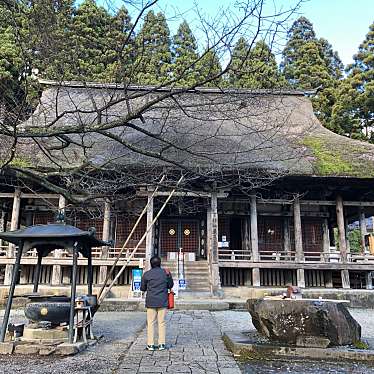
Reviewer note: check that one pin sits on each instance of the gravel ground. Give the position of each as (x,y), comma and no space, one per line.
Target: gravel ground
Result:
(241,321)
(118,330)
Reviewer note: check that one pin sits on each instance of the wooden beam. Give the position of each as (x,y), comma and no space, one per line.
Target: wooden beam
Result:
(361,266)
(181,194)
(56,269)
(214,268)
(316,202)
(300,275)
(254,229)
(341,228)
(286,236)
(299,255)
(149,240)
(13,226)
(103,270)
(325,236)
(363,230)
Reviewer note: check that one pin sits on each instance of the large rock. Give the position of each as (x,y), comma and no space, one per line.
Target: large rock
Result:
(287,320)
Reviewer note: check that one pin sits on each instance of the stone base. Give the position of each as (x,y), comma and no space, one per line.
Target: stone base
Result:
(312,341)
(56,335)
(63,349)
(242,347)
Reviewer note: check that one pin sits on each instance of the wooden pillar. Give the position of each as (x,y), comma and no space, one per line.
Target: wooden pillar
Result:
(328,279)
(13,226)
(106,236)
(246,235)
(300,278)
(341,228)
(57,270)
(363,230)
(214,266)
(346,230)
(325,239)
(73,290)
(149,240)
(369,280)
(11,293)
(299,254)
(254,240)
(286,237)
(2,224)
(342,240)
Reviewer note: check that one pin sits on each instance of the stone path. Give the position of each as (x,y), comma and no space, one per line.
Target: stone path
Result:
(118,330)
(195,344)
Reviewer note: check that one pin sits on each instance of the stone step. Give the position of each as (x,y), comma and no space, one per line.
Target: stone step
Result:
(193,294)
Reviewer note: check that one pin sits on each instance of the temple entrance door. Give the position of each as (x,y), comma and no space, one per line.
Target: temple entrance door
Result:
(178,233)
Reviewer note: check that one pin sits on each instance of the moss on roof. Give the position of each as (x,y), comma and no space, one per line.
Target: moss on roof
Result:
(338,156)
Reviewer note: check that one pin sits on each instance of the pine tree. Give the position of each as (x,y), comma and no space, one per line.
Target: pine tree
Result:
(153,55)
(256,68)
(185,56)
(354,109)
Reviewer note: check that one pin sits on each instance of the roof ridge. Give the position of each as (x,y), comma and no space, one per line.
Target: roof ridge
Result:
(81,84)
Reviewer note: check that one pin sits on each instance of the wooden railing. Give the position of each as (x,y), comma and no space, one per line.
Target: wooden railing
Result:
(96,253)
(233,255)
(225,254)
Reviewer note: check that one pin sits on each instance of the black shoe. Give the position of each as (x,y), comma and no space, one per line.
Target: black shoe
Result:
(151,347)
(161,347)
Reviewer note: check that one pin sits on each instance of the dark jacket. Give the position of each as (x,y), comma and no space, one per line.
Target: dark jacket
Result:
(157,283)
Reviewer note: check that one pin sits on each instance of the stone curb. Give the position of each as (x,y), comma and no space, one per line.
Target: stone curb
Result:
(241,347)
(64,349)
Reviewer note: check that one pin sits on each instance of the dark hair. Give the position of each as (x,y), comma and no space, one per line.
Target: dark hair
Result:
(155,262)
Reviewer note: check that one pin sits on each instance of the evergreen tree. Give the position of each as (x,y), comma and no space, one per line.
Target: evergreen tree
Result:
(14,65)
(93,48)
(300,33)
(354,109)
(153,55)
(185,56)
(121,54)
(254,69)
(331,58)
(209,67)
(309,64)
(49,32)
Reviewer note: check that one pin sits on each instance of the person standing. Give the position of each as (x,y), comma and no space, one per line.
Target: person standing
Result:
(156,282)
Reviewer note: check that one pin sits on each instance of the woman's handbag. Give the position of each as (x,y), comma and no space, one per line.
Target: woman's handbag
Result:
(171,299)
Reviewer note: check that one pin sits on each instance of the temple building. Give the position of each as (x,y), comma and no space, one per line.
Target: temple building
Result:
(271,205)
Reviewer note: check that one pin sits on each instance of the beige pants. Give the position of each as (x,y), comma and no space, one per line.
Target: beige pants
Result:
(153,315)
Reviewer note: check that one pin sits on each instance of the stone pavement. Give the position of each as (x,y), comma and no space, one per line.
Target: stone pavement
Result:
(195,347)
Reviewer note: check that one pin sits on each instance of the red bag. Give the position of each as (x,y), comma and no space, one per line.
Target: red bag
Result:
(171,300)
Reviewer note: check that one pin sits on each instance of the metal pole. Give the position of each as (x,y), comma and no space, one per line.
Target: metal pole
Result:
(11,292)
(72,293)
(109,274)
(89,272)
(37,273)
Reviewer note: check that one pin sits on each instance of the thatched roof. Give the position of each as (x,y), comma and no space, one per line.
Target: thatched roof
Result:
(208,128)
